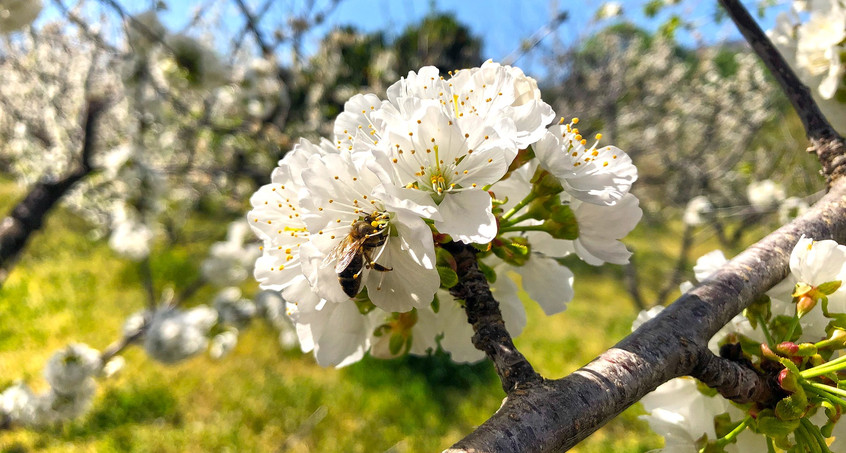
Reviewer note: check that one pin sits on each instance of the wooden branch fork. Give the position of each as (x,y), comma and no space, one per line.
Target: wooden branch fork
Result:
(543,415)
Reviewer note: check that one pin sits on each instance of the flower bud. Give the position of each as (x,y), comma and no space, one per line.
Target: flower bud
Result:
(805,305)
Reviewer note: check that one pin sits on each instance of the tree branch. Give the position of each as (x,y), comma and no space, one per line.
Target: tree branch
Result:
(825,141)
(28,215)
(555,415)
(483,314)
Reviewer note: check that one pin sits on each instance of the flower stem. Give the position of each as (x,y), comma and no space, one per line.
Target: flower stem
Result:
(511,229)
(828,388)
(516,220)
(828,396)
(793,325)
(763,323)
(835,365)
(728,438)
(807,437)
(531,196)
(816,435)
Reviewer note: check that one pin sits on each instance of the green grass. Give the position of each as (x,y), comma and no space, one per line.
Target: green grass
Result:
(67,288)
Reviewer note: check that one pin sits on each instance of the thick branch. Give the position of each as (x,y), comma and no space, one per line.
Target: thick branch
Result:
(557,414)
(825,141)
(483,314)
(28,216)
(736,380)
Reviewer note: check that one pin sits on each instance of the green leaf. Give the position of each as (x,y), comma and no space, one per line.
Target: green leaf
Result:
(448,277)
(436,304)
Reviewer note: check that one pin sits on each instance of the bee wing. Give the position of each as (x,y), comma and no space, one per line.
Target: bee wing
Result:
(340,253)
(347,253)
(335,253)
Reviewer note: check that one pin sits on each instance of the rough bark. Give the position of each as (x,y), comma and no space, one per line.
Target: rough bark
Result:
(483,314)
(554,415)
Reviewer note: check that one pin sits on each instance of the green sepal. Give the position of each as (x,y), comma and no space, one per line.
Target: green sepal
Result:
(792,407)
(363,303)
(482,247)
(514,250)
(723,424)
(396,343)
(444,258)
(760,307)
(436,304)
(770,425)
(489,272)
(562,223)
(381,330)
(828,288)
(448,277)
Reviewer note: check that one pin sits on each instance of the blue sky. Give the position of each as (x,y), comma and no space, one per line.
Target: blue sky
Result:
(502,24)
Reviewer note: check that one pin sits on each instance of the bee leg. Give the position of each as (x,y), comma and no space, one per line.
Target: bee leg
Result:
(379,267)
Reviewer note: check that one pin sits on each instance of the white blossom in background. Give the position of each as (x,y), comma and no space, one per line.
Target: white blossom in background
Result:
(71,368)
(174,335)
(17,14)
(232,308)
(765,195)
(21,405)
(223,343)
(697,210)
(114,366)
(609,9)
(791,208)
(813,44)
(230,262)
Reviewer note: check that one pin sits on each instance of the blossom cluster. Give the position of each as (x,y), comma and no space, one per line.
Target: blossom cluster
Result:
(763,196)
(812,38)
(351,226)
(796,334)
(70,373)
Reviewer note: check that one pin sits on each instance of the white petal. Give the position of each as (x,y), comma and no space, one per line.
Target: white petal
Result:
(708,263)
(547,282)
(406,286)
(467,216)
(344,336)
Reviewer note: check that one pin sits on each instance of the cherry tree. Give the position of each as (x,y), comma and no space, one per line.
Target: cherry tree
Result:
(399,228)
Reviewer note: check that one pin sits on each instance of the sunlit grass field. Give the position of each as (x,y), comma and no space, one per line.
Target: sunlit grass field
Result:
(68,288)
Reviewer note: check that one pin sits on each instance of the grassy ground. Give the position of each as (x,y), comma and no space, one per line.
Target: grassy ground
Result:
(261,398)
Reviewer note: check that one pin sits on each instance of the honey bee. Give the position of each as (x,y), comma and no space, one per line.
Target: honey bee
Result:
(353,253)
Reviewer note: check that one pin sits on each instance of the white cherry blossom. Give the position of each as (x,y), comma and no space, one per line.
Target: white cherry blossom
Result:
(174,335)
(598,175)
(340,194)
